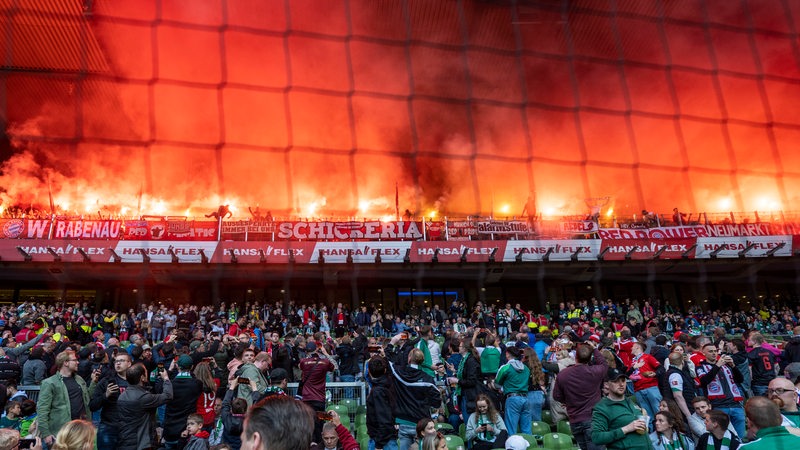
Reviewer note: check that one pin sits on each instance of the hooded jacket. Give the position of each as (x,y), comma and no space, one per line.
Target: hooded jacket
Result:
(415,393)
(380,418)
(513,376)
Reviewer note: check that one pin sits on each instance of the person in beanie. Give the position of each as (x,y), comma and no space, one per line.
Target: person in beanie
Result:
(186,390)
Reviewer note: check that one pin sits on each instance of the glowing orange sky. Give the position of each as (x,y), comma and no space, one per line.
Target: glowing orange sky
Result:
(467,105)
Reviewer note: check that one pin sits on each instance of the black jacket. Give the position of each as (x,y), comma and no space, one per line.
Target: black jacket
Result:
(415,393)
(186,391)
(232,423)
(380,419)
(348,359)
(791,353)
(110,412)
(138,407)
(469,382)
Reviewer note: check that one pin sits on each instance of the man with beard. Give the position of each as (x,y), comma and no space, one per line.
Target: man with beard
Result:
(281,354)
(105,398)
(784,394)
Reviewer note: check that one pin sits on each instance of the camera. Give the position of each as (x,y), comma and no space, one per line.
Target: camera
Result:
(243,380)
(26,443)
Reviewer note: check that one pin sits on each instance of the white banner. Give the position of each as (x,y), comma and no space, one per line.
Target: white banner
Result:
(159,252)
(362,252)
(761,245)
(563,249)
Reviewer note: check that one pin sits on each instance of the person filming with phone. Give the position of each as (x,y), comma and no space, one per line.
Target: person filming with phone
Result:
(104,398)
(138,406)
(315,368)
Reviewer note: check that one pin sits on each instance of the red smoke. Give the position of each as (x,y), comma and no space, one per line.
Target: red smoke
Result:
(469,106)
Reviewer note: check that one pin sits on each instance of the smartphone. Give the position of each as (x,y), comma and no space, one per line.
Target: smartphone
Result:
(243,380)
(374,348)
(26,443)
(214,333)
(208,359)
(324,415)
(160,366)
(403,335)
(176,358)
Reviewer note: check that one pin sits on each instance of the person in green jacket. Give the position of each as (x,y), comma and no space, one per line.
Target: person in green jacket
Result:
(764,428)
(62,397)
(617,422)
(513,377)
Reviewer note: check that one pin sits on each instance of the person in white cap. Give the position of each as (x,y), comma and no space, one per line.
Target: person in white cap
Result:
(517,442)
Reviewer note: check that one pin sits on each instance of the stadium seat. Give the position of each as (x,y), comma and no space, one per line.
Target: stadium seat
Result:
(563,427)
(350,404)
(444,426)
(540,428)
(547,416)
(557,441)
(462,431)
(454,442)
(530,438)
(361,419)
(361,409)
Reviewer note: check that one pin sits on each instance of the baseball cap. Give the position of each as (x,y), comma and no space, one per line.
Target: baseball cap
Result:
(194,345)
(278,374)
(517,442)
(594,338)
(311,347)
(185,362)
(146,347)
(615,374)
(677,335)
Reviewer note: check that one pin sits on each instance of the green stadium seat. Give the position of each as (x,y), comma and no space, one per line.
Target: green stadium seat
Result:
(361,409)
(443,426)
(547,416)
(454,442)
(540,428)
(350,404)
(563,427)
(557,441)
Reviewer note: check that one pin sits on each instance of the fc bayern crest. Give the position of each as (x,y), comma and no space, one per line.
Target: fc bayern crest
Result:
(13,228)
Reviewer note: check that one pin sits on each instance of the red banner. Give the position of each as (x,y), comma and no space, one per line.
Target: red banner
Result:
(48,250)
(170,230)
(267,252)
(579,227)
(14,228)
(461,230)
(475,251)
(371,230)
(616,249)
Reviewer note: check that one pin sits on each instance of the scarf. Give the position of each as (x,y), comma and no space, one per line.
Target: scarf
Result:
(679,441)
(726,441)
(460,372)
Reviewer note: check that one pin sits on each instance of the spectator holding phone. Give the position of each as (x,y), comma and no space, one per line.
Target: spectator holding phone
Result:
(104,398)
(138,407)
(186,390)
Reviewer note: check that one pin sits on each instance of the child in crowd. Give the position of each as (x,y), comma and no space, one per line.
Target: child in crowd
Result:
(12,419)
(198,439)
(28,415)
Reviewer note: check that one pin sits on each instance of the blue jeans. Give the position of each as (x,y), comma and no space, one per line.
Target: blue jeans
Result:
(406,435)
(759,390)
(649,399)
(155,334)
(518,415)
(348,392)
(535,403)
(391,445)
(737,419)
(107,437)
(582,431)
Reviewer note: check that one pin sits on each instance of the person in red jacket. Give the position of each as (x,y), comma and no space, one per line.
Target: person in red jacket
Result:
(335,436)
(645,381)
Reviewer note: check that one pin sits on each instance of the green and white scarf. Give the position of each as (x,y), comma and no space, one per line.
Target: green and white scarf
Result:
(726,441)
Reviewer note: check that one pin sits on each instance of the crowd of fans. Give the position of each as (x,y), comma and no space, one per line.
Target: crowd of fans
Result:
(624,374)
